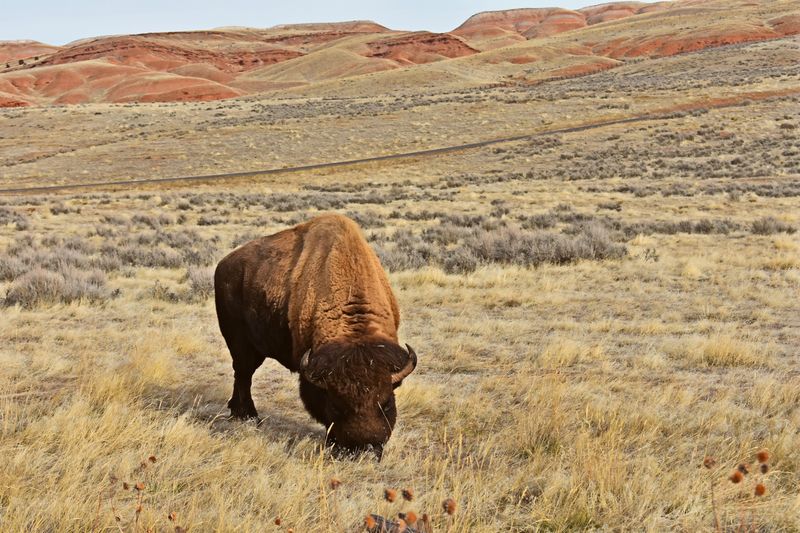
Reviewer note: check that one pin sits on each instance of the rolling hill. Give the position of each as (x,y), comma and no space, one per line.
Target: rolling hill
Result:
(489,48)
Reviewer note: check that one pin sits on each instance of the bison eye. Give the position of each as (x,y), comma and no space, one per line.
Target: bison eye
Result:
(387,406)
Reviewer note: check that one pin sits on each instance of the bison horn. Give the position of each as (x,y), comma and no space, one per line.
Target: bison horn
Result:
(397,377)
(309,375)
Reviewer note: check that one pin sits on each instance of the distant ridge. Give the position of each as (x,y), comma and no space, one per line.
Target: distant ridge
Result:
(492,47)
(366,26)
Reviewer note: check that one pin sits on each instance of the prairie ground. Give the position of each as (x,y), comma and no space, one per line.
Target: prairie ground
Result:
(595,313)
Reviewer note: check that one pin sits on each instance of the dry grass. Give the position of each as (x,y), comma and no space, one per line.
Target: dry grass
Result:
(720,350)
(551,395)
(546,398)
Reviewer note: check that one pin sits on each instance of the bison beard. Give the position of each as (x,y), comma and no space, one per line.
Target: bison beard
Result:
(316,299)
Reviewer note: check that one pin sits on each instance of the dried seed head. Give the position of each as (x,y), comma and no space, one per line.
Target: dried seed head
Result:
(736,476)
(408,494)
(335,482)
(139,508)
(139,486)
(449,506)
(763,456)
(152,458)
(125,485)
(389,495)
(172,516)
(401,525)
(277,521)
(709,461)
(370,522)
(764,468)
(426,520)
(411,517)
(743,468)
(760,489)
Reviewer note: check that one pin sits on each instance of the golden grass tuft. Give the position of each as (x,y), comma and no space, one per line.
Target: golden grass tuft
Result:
(186,344)
(561,352)
(725,350)
(783,261)
(720,350)
(693,269)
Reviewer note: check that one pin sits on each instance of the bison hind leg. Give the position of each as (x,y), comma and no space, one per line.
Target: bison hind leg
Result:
(245,362)
(243,411)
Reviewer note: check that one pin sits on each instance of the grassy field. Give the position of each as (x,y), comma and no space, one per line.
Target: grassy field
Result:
(595,313)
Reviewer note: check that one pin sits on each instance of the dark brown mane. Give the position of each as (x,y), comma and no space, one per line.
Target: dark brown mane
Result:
(350,368)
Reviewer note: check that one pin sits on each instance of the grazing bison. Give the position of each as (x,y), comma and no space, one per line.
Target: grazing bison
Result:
(315,298)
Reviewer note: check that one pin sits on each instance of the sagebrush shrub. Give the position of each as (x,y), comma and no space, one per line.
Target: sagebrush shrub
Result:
(367,219)
(145,256)
(43,287)
(459,261)
(769,225)
(201,282)
(9,216)
(462,249)
(11,268)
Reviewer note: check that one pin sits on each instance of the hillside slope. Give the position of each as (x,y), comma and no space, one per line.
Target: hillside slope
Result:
(491,47)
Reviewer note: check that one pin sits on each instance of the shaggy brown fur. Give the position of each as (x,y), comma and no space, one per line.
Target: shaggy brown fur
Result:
(318,287)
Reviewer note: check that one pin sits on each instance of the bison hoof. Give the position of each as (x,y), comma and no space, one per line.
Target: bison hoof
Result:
(243,412)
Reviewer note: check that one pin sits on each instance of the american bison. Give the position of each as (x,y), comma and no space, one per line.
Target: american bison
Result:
(316,299)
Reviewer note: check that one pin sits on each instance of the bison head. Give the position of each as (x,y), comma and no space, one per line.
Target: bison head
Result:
(350,389)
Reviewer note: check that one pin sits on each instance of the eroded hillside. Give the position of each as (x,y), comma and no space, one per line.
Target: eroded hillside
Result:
(487,49)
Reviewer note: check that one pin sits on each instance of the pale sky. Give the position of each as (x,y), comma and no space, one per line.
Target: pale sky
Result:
(61,21)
